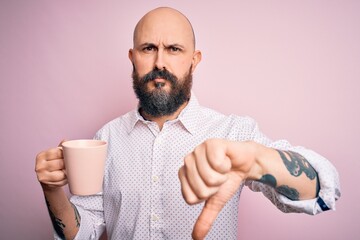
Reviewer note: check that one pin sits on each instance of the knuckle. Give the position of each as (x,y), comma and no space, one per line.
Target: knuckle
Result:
(201,195)
(209,180)
(216,162)
(197,151)
(39,167)
(41,178)
(180,172)
(40,157)
(210,142)
(187,161)
(191,200)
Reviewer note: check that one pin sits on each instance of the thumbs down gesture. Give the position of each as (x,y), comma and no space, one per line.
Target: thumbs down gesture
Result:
(213,172)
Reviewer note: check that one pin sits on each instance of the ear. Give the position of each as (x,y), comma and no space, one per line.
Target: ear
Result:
(195,60)
(130,55)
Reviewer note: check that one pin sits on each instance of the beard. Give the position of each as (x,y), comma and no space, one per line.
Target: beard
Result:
(160,102)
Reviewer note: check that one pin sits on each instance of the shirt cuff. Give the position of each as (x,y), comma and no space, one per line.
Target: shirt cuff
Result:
(328,178)
(90,227)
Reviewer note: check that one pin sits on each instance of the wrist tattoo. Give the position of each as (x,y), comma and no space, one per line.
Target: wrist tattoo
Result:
(297,164)
(77,215)
(288,192)
(57,222)
(285,190)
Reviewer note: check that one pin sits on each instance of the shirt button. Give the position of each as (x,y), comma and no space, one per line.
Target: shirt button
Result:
(155,178)
(158,140)
(154,217)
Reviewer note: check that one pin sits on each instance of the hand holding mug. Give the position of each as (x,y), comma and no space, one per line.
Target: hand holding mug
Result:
(79,162)
(50,168)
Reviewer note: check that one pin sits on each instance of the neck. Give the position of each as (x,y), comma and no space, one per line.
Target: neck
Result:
(162,119)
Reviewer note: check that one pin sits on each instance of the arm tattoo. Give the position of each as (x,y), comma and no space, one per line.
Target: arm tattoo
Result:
(285,190)
(57,222)
(77,215)
(297,164)
(288,192)
(268,179)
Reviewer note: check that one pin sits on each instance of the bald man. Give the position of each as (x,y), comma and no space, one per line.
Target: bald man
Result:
(170,148)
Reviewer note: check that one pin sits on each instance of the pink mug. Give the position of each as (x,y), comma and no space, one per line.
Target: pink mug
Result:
(85,164)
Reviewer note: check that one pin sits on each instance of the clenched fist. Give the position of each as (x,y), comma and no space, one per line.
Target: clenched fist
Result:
(50,169)
(213,172)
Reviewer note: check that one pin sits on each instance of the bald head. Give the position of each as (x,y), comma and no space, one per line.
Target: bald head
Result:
(164,23)
(164,39)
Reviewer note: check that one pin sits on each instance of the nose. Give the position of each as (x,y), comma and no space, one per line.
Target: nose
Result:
(160,60)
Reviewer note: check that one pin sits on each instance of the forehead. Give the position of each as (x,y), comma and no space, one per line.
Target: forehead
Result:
(164,27)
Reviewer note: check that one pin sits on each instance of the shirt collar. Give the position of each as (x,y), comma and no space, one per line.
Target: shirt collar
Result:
(189,116)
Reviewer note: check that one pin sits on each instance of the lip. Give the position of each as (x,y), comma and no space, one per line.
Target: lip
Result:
(159,83)
(159,80)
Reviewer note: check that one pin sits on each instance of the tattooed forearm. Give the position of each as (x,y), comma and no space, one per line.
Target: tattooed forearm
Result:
(285,190)
(57,222)
(268,179)
(297,164)
(77,215)
(288,192)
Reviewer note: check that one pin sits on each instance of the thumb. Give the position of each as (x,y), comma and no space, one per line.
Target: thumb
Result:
(61,142)
(207,217)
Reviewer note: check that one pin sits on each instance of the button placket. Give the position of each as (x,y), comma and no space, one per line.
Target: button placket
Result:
(156,191)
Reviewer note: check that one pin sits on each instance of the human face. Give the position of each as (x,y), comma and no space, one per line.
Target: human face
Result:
(158,102)
(163,39)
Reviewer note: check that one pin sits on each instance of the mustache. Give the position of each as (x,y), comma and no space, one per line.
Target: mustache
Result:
(156,73)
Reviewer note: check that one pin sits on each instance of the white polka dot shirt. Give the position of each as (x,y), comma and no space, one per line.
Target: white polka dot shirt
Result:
(141,196)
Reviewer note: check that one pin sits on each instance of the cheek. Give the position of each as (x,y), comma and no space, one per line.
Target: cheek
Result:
(180,67)
(142,65)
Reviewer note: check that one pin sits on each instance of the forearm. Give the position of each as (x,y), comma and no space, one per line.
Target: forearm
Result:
(64,215)
(287,172)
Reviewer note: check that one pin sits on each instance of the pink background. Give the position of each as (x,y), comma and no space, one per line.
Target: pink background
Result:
(294,66)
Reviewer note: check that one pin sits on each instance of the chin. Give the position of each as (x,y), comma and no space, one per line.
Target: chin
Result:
(163,89)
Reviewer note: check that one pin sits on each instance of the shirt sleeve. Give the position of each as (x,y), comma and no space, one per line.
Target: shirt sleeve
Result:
(92,222)
(327,174)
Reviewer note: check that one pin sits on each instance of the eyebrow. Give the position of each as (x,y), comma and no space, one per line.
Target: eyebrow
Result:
(175,45)
(149,44)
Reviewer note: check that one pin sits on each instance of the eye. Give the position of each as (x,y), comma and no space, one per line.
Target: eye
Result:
(174,49)
(149,49)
